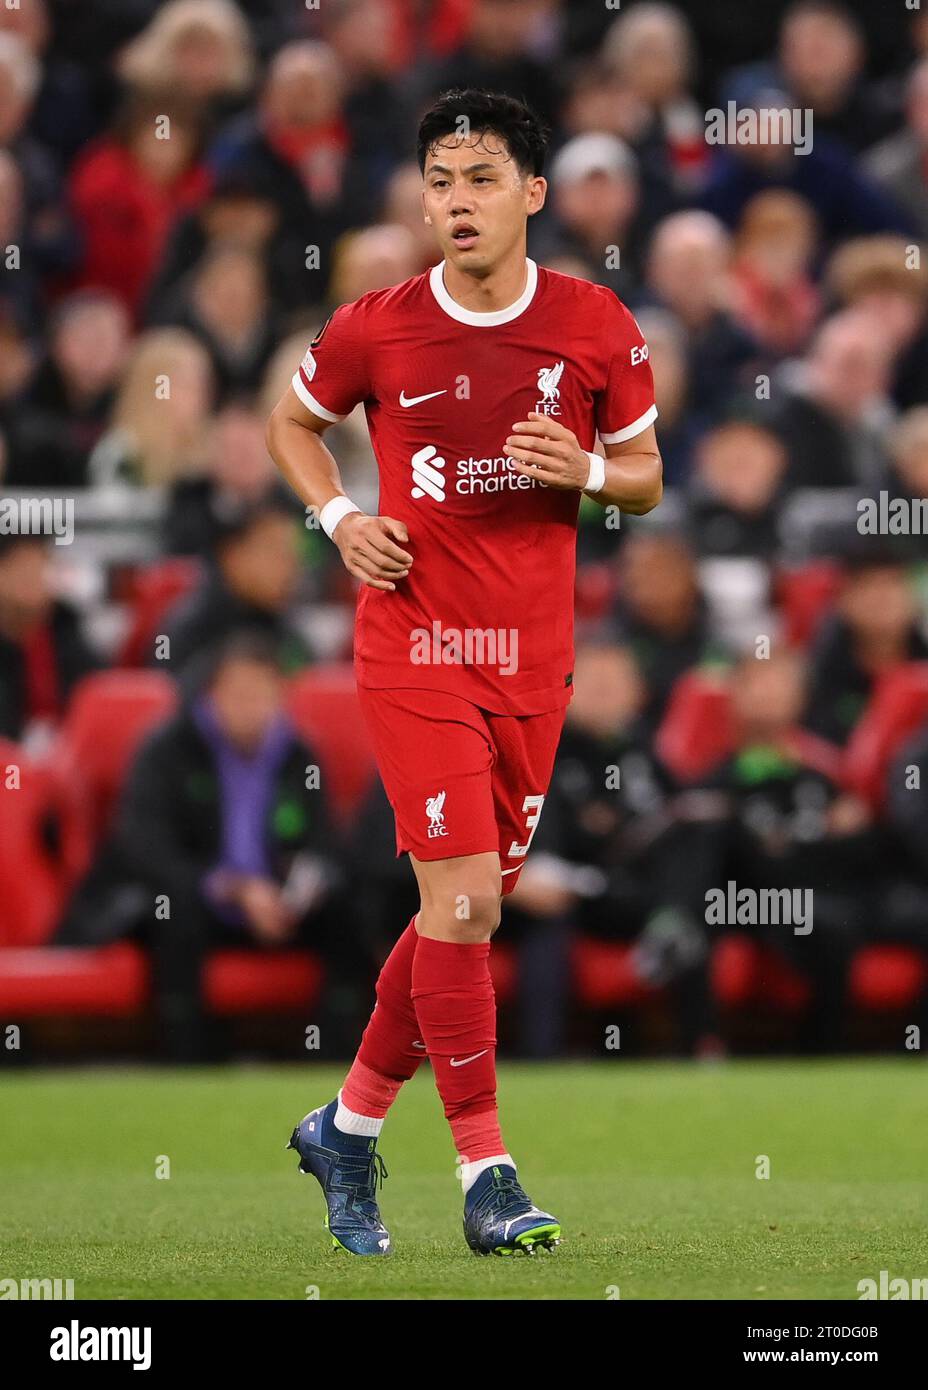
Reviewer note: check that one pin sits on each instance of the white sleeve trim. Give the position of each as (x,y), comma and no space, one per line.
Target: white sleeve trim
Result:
(310,402)
(629,432)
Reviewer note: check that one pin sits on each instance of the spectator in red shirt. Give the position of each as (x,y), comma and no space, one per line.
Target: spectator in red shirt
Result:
(128,189)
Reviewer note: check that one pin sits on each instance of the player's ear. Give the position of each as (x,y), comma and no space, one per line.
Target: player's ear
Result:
(537,189)
(428,220)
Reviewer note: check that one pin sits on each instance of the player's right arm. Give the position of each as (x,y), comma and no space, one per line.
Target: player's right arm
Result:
(333,377)
(370,546)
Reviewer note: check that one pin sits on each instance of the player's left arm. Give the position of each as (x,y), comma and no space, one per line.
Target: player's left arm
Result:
(543,448)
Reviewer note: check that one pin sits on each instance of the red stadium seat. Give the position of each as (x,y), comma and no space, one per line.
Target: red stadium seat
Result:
(104,981)
(887,977)
(246,982)
(323,703)
(114,982)
(605,976)
(33,872)
(109,715)
(696,733)
(897,708)
(152,593)
(744,973)
(805,596)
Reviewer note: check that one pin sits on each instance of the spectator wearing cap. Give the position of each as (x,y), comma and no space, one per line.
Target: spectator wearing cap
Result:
(223,817)
(251,584)
(594,205)
(43,652)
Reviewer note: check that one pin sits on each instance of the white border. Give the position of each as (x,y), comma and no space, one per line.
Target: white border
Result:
(310,402)
(483,320)
(631,430)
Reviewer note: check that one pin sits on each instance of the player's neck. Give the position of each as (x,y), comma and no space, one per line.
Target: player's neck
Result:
(485,294)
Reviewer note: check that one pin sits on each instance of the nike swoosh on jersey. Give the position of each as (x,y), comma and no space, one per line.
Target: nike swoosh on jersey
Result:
(464,1060)
(407,401)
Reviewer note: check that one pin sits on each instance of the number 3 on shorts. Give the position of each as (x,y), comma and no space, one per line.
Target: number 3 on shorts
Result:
(534,805)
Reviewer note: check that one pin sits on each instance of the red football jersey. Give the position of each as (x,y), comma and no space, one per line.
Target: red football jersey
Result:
(486,611)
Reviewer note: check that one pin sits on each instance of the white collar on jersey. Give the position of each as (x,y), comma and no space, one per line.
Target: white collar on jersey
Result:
(495,316)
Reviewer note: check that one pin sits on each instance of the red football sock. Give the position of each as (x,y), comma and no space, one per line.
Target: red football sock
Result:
(387,1057)
(453,995)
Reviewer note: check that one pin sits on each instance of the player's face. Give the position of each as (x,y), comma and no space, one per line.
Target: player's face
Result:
(478,201)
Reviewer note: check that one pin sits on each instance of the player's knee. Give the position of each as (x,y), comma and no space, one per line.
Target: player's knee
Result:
(469,913)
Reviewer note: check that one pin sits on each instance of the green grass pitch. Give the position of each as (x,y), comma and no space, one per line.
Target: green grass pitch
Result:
(650,1167)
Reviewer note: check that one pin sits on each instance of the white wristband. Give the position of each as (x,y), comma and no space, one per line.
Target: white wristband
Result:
(333,512)
(597,479)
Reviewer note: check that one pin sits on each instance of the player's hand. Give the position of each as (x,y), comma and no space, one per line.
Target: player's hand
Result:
(367,545)
(542,448)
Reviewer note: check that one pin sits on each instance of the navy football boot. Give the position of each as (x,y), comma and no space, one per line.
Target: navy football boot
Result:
(499,1219)
(348,1169)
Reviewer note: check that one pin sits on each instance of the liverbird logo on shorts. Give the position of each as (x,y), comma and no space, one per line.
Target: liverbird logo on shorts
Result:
(548,378)
(434,809)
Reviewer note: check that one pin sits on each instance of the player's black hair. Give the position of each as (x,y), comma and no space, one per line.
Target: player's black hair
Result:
(522,131)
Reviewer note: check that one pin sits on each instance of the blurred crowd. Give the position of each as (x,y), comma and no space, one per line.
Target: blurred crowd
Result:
(188,189)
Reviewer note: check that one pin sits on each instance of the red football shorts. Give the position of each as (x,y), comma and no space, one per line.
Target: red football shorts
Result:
(460,779)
